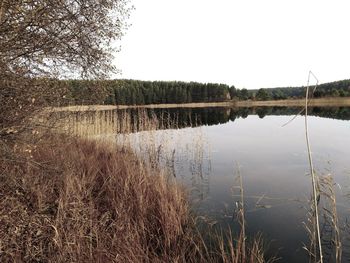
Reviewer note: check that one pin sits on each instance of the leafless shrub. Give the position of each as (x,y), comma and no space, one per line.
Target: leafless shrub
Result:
(41,41)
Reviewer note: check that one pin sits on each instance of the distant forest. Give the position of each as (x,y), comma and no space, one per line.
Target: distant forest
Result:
(332,89)
(137,92)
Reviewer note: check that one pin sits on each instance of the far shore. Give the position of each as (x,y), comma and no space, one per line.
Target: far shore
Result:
(319,102)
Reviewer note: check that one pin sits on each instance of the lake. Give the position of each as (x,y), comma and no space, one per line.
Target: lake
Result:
(205,148)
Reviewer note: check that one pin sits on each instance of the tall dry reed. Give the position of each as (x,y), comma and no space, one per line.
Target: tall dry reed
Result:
(86,202)
(73,199)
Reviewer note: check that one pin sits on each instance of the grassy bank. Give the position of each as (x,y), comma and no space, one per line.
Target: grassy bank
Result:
(82,202)
(74,200)
(149,106)
(319,102)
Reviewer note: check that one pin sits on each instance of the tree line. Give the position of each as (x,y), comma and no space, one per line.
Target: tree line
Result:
(137,92)
(332,89)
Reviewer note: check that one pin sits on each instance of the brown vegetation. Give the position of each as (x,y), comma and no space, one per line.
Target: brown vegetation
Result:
(80,201)
(70,200)
(320,102)
(83,203)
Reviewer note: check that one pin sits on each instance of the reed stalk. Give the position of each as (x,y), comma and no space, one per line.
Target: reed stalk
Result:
(242,216)
(312,171)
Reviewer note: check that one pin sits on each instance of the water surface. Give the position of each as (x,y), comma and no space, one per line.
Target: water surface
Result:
(204,148)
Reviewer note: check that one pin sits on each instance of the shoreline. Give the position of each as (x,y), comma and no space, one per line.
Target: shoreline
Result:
(320,102)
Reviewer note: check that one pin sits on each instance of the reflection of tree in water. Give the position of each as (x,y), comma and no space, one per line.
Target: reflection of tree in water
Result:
(261,112)
(93,123)
(212,116)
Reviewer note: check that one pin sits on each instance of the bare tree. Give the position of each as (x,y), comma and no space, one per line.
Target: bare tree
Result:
(37,36)
(43,40)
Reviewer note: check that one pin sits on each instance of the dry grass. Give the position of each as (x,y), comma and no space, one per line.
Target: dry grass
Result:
(320,102)
(322,187)
(331,233)
(75,200)
(235,252)
(87,203)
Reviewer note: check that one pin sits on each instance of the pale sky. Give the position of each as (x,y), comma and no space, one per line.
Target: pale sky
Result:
(246,43)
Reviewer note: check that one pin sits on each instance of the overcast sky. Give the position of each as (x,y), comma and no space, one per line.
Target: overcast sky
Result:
(246,43)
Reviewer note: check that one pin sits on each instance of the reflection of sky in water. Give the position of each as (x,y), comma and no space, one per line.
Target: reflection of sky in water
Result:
(273,163)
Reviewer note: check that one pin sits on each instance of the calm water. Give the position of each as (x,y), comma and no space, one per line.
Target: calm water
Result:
(272,160)
(273,163)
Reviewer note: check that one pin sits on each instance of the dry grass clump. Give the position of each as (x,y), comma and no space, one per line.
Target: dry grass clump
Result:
(236,251)
(80,201)
(74,200)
